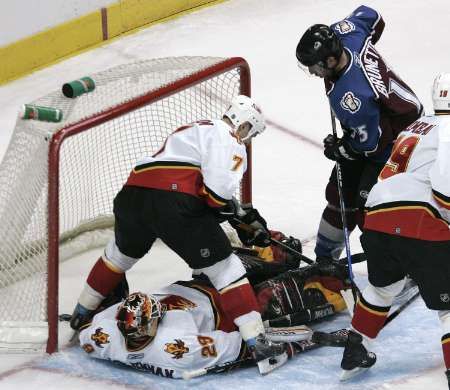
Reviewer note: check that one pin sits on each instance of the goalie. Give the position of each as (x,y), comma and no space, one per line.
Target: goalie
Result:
(185,328)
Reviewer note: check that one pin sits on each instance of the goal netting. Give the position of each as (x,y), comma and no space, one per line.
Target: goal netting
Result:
(58,180)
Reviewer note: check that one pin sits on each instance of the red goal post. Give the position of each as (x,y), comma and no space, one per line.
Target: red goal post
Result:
(85,160)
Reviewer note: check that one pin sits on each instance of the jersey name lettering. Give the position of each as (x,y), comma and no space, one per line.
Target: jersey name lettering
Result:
(419,127)
(371,66)
(166,373)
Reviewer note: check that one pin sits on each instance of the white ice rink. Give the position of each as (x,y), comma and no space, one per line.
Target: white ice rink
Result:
(290,175)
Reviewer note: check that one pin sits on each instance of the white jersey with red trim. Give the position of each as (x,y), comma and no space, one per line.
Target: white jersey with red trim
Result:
(412,196)
(187,337)
(203,159)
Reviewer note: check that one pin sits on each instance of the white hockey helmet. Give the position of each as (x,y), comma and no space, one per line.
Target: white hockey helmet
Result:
(243,109)
(441,92)
(138,315)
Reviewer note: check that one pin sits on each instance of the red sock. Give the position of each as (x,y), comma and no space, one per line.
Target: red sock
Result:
(238,298)
(102,278)
(368,319)
(446,349)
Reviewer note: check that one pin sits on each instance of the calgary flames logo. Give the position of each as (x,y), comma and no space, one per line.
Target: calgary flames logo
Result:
(178,349)
(100,338)
(175,302)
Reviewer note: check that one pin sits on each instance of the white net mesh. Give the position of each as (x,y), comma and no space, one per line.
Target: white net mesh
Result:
(94,164)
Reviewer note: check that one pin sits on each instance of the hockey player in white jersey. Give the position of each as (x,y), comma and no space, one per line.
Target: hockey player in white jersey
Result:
(406,231)
(180,194)
(184,328)
(164,335)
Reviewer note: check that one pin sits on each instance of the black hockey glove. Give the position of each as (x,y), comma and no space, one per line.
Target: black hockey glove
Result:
(337,149)
(229,211)
(251,227)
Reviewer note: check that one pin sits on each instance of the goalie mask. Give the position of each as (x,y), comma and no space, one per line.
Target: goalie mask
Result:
(441,92)
(243,109)
(139,315)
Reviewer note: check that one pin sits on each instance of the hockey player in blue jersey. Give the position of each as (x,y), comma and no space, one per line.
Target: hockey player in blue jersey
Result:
(372,105)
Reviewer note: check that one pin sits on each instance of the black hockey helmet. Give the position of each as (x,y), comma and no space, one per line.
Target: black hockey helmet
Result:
(317,44)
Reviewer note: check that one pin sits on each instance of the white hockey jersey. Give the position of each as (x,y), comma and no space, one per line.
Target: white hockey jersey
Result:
(203,159)
(412,196)
(187,337)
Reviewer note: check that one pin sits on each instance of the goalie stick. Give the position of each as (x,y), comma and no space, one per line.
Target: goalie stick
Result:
(319,339)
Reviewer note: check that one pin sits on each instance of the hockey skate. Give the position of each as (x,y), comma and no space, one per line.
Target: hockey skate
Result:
(356,358)
(268,355)
(448,377)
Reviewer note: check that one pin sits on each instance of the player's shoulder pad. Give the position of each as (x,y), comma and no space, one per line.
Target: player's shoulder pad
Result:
(363,20)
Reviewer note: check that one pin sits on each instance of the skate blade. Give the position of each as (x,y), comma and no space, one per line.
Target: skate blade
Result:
(267,365)
(349,374)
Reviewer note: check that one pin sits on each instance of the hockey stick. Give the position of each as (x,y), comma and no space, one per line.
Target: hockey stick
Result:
(402,307)
(343,216)
(293,251)
(216,369)
(250,229)
(319,339)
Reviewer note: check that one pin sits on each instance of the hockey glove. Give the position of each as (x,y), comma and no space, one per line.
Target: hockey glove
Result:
(229,211)
(251,227)
(337,149)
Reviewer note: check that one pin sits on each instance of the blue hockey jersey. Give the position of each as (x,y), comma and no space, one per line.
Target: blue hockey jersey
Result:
(371,102)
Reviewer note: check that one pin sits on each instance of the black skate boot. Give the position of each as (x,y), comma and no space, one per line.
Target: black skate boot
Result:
(356,358)
(448,377)
(268,355)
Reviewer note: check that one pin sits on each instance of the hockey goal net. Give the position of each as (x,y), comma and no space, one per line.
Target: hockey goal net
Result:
(58,180)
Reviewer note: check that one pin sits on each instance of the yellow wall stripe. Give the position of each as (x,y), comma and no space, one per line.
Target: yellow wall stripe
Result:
(84,33)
